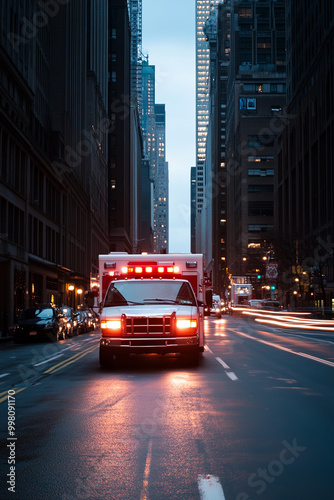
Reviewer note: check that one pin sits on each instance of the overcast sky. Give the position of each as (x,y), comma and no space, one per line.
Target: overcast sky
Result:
(169,40)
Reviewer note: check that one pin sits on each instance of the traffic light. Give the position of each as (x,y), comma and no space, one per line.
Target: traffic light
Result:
(273,287)
(259,276)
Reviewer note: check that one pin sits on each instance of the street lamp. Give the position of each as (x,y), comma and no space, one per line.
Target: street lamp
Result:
(79,292)
(71,289)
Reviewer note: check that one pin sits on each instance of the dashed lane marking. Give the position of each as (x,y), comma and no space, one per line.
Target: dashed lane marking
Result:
(224,365)
(230,374)
(210,488)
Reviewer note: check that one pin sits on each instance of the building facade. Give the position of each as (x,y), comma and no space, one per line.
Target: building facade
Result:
(154,137)
(124,137)
(53,129)
(235,228)
(203,9)
(255,96)
(160,183)
(305,196)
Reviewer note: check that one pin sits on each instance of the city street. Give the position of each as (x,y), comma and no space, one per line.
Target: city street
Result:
(253,421)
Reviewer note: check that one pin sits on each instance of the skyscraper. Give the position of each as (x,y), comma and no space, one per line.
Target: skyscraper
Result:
(160,213)
(203,9)
(154,131)
(135,16)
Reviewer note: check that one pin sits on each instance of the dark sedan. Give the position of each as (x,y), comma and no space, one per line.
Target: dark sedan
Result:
(40,322)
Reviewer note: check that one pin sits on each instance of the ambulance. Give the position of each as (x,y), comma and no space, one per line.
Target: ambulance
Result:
(151,303)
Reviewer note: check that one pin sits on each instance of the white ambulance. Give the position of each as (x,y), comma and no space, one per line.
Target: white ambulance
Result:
(151,303)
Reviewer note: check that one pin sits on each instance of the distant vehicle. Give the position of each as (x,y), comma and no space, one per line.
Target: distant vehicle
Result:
(71,320)
(222,308)
(40,322)
(270,305)
(215,304)
(255,303)
(241,293)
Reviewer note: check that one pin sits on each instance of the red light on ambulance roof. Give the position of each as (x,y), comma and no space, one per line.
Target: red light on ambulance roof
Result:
(161,269)
(148,269)
(138,270)
(170,269)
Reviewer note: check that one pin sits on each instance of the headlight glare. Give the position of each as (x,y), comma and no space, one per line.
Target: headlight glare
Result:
(185,324)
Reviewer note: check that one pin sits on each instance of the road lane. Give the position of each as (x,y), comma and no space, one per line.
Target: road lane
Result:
(154,428)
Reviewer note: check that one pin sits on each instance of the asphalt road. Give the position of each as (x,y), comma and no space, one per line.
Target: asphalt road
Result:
(253,421)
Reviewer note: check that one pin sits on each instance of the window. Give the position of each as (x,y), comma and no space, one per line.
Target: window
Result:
(260,227)
(260,158)
(260,208)
(256,141)
(261,172)
(260,188)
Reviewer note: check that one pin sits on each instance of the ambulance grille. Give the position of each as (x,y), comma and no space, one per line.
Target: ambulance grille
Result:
(148,326)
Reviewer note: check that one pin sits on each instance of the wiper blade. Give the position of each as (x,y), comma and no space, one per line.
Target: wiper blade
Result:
(168,301)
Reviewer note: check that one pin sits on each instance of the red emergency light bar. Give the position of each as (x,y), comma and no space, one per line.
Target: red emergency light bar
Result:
(148,269)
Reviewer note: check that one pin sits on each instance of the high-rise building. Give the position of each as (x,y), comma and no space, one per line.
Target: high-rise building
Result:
(154,137)
(256,94)
(135,15)
(53,149)
(234,228)
(305,195)
(203,9)
(193,209)
(125,141)
(160,212)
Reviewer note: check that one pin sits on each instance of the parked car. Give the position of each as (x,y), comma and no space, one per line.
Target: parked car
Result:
(95,318)
(82,319)
(44,321)
(71,321)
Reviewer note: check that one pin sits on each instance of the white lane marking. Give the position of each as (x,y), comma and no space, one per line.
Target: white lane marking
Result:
(46,360)
(232,375)
(224,365)
(49,359)
(207,348)
(210,488)
(4,375)
(280,347)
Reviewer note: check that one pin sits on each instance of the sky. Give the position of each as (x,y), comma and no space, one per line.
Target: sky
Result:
(169,41)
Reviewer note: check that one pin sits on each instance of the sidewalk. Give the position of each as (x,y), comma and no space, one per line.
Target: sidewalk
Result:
(5,337)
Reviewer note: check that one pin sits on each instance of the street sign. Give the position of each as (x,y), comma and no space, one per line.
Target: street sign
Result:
(272,270)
